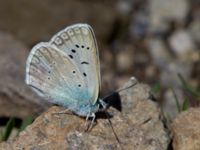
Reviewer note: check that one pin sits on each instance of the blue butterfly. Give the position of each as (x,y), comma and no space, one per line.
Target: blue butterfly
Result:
(66,70)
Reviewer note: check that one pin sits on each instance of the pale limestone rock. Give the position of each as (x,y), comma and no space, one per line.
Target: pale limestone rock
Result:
(186,131)
(139,126)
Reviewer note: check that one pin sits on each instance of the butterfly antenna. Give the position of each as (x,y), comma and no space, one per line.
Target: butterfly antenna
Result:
(119,90)
(118,141)
(126,87)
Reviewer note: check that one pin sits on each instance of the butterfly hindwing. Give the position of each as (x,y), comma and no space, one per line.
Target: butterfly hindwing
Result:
(54,76)
(79,44)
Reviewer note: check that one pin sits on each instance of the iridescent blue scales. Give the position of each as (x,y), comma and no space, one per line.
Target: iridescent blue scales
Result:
(66,71)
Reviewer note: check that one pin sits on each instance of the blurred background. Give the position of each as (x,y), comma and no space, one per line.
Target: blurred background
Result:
(156,41)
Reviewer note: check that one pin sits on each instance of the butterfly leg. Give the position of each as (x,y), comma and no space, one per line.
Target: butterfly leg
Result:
(87,117)
(86,122)
(90,124)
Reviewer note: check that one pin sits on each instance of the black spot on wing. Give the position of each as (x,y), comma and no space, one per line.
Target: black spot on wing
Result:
(71,56)
(73,51)
(84,62)
(82,46)
(84,74)
(77,45)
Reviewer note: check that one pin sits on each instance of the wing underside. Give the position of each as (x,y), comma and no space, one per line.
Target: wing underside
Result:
(52,74)
(79,43)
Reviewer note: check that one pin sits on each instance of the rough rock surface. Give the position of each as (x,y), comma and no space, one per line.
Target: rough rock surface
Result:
(15,96)
(186,131)
(138,126)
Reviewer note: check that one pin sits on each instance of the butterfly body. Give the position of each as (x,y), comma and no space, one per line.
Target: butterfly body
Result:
(66,70)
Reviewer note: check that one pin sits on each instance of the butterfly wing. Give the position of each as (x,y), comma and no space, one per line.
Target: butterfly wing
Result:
(52,74)
(79,43)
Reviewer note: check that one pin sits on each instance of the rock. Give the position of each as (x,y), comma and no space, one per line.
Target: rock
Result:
(32,21)
(159,52)
(194,30)
(124,7)
(151,72)
(182,44)
(186,131)
(169,105)
(163,12)
(139,24)
(16,99)
(169,75)
(138,126)
(169,65)
(124,59)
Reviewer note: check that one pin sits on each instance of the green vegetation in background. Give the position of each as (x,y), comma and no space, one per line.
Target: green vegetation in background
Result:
(189,88)
(27,121)
(5,134)
(8,129)
(185,105)
(194,93)
(156,88)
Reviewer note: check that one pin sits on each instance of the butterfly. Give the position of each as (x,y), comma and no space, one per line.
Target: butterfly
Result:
(66,70)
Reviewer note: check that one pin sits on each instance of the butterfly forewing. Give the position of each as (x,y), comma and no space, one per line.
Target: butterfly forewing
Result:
(53,75)
(79,44)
